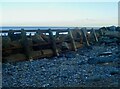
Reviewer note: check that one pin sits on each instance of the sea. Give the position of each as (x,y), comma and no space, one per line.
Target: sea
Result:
(2,28)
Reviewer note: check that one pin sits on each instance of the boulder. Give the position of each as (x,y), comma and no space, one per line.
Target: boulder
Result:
(105,53)
(70,54)
(100,60)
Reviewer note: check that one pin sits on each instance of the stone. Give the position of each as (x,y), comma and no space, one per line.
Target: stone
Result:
(108,53)
(70,55)
(99,60)
(114,72)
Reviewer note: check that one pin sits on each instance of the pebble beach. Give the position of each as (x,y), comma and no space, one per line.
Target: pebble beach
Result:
(96,66)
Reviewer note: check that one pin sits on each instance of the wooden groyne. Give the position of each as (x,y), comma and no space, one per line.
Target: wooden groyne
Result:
(17,46)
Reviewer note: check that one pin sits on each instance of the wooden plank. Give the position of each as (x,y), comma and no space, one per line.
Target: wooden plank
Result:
(81,38)
(94,35)
(37,44)
(72,40)
(85,36)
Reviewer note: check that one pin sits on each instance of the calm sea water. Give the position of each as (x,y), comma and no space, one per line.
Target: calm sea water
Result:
(35,28)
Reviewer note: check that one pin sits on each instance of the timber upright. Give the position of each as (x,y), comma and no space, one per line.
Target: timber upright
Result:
(84,34)
(53,43)
(72,40)
(25,44)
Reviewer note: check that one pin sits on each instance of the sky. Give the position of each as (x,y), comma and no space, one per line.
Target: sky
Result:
(75,14)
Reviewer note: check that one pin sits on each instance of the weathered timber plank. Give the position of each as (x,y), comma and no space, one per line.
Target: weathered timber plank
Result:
(72,40)
(94,35)
(85,36)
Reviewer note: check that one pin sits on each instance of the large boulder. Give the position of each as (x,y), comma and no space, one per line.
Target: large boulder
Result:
(100,60)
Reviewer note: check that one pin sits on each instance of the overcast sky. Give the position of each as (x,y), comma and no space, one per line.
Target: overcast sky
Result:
(59,14)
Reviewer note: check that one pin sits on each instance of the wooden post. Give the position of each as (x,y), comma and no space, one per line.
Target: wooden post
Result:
(25,44)
(72,40)
(57,34)
(38,32)
(101,31)
(85,37)
(76,33)
(81,38)
(53,43)
(11,34)
(79,35)
(94,35)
